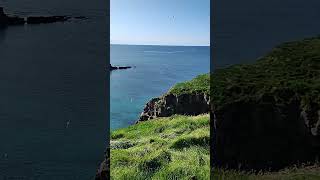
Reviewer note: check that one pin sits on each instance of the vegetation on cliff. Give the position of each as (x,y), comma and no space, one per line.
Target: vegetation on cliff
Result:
(200,84)
(267,114)
(291,68)
(186,98)
(175,147)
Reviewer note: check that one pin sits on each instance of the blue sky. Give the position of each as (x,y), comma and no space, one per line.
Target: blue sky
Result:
(160,22)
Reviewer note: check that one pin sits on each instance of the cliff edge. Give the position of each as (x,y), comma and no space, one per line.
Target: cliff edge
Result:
(187,98)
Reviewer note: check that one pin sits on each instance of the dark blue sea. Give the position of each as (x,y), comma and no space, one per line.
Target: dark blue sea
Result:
(156,70)
(52,74)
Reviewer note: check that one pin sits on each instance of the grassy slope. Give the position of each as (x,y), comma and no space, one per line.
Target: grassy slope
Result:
(292,68)
(176,147)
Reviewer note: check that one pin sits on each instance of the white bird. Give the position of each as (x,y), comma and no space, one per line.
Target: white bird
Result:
(68,122)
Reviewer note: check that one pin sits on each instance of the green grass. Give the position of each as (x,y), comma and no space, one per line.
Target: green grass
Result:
(200,84)
(291,69)
(176,147)
(293,173)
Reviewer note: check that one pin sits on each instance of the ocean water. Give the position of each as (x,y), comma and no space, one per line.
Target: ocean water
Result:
(52,74)
(248,29)
(156,69)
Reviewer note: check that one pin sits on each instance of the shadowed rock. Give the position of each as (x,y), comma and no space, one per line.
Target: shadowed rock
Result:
(103,171)
(111,68)
(6,20)
(46,19)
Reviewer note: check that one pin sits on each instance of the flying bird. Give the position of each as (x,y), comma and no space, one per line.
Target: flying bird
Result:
(68,122)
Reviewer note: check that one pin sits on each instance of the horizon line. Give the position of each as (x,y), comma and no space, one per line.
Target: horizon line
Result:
(158,45)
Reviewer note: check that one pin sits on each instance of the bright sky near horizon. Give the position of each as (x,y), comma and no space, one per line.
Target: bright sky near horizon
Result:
(160,22)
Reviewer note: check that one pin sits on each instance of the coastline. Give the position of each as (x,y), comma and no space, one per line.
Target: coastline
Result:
(229,105)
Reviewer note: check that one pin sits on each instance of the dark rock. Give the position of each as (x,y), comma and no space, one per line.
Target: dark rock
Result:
(124,67)
(6,20)
(2,12)
(111,68)
(80,17)
(16,21)
(46,19)
(103,172)
(262,135)
(170,104)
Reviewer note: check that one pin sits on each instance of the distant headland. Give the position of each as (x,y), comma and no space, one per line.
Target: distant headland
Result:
(6,20)
(111,68)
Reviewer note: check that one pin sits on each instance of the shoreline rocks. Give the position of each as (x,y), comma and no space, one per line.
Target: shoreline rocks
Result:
(45,20)
(111,68)
(10,20)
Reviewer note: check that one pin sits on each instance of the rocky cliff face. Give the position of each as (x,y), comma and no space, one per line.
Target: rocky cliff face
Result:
(261,134)
(170,104)
(103,171)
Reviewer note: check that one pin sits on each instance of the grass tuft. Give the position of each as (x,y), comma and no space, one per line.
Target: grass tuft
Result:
(176,147)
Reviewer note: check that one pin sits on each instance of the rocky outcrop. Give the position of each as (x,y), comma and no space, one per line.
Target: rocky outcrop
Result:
(103,172)
(6,20)
(170,104)
(46,19)
(10,20)
(111,68)
(261,134)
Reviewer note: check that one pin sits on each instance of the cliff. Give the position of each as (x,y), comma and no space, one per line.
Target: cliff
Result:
(159,142)
(188,98)
(267,114)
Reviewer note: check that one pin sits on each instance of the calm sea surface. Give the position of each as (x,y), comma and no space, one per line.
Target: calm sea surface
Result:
(245,30)
(52,74)
(157,68)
